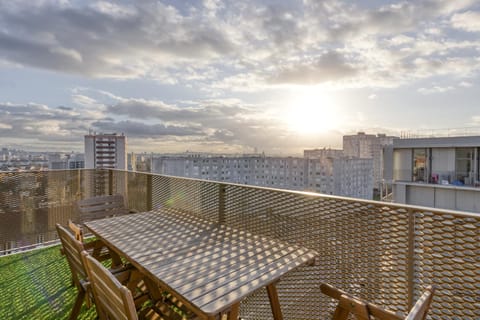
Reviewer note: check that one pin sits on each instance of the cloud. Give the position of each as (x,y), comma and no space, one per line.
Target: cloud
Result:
(106,40)
(43,125)
(435,89)
(465,84)
(219,47)
(154,125)
(331,66)
(5,126)
(144,130)
(476,120)
(217,52)
(468,21)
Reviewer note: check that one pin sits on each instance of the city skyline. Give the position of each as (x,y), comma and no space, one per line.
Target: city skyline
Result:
(228,77)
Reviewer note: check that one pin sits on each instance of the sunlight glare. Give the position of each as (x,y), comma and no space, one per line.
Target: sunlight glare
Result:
(312,111)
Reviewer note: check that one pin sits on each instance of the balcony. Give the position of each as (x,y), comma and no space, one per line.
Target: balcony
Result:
(383,252)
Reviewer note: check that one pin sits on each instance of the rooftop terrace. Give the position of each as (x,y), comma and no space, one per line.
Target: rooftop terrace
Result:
(37,285)
(383,252)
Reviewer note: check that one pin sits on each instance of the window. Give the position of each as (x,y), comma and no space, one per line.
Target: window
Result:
(463,166)
(419,165)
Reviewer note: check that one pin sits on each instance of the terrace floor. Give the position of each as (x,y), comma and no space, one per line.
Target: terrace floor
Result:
(37,285)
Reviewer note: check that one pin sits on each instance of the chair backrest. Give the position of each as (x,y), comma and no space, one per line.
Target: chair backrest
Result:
(420,309)
(113,300)
(363,310)
(72,249)
(76,229)
(101,207)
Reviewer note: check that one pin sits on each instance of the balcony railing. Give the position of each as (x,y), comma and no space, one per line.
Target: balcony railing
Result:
(383,252)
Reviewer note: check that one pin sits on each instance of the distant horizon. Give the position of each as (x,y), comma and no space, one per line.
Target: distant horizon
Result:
(229,77)
(430,133)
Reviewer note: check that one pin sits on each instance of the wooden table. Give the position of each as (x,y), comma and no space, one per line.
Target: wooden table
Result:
(208,267)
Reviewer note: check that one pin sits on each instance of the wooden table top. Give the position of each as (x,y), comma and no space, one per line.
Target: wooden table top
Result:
(207,265)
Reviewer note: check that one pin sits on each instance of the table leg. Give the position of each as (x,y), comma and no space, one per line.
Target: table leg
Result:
(274,302)
(153,289)
(233,313)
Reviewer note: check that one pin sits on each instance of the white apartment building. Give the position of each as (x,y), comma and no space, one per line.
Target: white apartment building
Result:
(353,177)
(437,172)
(368,146)
(331,172)
(321,170)
(276,172)
(106,151)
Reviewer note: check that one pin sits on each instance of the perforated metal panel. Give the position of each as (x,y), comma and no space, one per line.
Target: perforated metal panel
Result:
(31,203)
(382,252)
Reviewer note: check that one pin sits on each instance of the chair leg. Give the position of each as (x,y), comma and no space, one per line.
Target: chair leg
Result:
(78,305)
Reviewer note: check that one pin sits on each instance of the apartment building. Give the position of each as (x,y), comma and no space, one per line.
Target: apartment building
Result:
(368,146)
(330,171)
(437,172)
(320,170)
(106,151)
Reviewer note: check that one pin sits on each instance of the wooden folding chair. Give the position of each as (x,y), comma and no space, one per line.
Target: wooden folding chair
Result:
(115,301)
(101,207)
(98,208)
(363,310)
(72,249)
(95,247)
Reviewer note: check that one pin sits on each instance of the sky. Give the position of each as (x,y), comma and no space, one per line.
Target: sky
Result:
(234,76)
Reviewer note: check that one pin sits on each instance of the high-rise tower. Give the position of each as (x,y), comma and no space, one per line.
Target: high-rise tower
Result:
(106,151)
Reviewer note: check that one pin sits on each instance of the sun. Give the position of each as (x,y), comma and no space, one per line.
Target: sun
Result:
(312,111)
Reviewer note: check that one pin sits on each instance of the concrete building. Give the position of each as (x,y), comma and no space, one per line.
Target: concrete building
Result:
(106,151)
(321,170)
(57,161)
(329,171)
(353,177)
(131,162)
(437,172)
(76,161)
(368,146)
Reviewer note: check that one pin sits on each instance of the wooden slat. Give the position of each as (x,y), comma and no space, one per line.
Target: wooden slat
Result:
(217,274)
(419,310)
(215,301)
(199,272)
(100,207)
(208,267)
(341,312)
(110,296)
(101,199)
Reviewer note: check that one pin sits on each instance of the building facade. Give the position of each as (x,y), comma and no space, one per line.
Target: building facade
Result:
(106,151)
(368,146)
(320,170)
(437,172)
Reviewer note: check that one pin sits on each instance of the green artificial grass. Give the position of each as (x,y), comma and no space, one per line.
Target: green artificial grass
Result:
(37,285)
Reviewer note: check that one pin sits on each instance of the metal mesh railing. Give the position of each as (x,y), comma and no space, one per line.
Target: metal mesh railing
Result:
(385,253)
(32,202)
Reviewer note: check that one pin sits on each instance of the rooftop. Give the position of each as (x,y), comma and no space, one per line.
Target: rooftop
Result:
(383,252)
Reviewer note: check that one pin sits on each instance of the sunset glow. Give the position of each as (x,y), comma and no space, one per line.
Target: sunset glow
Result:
(312,111)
